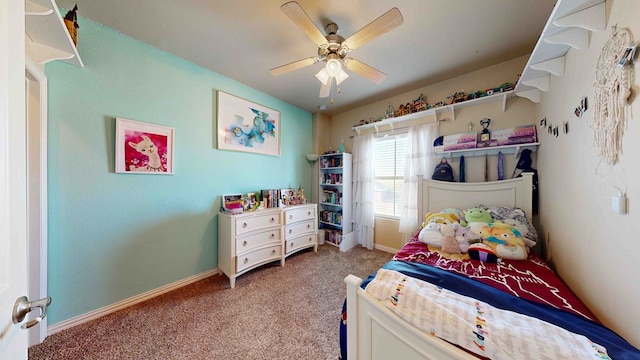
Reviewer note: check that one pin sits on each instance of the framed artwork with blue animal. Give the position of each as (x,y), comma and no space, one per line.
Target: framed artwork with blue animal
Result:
(247,126)
(143,148)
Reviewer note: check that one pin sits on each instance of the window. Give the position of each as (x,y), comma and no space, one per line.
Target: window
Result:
(389,167)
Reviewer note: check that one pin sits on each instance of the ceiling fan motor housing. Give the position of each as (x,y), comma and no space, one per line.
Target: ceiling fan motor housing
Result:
(333,46)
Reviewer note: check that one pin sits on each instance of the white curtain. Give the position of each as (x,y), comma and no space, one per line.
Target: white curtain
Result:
(420,159)
(363,189)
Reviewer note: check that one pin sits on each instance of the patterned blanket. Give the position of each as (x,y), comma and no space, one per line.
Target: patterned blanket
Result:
(475,325)
(530,279)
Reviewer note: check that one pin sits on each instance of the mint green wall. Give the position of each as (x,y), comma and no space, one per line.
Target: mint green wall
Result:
(113,236)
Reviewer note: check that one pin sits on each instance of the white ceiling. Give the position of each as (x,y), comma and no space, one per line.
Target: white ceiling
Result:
(243,39)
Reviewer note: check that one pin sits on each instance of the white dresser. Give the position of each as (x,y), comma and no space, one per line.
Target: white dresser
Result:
(301,228)
(248,240)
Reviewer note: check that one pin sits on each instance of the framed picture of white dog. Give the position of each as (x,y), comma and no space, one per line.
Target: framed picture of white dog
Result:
(143,148)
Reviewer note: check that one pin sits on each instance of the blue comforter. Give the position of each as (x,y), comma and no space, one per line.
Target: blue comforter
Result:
(616,346)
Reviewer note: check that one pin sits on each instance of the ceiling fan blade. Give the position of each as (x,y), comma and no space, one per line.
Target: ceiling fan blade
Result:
(293,66)
(365,70)
(387,22)
(295,12)
(325,90)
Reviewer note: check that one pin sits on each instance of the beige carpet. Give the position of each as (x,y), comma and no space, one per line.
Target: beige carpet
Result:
(290,312)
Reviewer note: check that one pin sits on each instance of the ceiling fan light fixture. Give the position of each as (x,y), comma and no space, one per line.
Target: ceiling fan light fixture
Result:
(323,76)
(333,67)
(342,76)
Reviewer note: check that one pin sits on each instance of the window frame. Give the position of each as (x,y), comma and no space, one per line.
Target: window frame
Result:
(403,133)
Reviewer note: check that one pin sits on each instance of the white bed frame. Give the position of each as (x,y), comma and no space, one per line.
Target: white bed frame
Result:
(375,332)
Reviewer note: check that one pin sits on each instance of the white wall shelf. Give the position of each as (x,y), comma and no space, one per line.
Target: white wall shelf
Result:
(568,27)
(47,38)
(434,112)
(494,150)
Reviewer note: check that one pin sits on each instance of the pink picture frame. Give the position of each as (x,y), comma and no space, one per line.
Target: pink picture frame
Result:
(143,148)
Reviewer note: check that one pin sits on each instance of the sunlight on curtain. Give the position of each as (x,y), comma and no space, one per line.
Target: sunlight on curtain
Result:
(363,189)
(420,159)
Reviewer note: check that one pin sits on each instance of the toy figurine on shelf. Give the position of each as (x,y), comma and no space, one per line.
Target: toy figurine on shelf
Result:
(71,22)
(485,135)
(391,112)
(419,103)
(301,198)
(457,97)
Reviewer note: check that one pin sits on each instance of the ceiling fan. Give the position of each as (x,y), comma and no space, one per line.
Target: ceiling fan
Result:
(333,48)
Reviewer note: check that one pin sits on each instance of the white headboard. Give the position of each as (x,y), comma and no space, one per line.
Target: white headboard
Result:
(438,195)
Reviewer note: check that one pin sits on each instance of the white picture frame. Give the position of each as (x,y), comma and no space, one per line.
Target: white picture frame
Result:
(143,148)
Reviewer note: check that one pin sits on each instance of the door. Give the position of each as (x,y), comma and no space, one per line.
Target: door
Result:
(36,122)
(13,219)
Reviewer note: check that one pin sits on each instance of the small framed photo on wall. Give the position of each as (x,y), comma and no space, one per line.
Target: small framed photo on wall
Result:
(143,148)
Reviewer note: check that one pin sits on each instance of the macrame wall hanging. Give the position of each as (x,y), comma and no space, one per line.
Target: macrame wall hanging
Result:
(612,90)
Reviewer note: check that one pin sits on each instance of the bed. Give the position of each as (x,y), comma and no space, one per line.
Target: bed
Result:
(515,308)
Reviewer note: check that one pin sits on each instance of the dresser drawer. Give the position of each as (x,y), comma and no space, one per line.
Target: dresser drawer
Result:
(300,242)
(252,241)
(295,215)
(299,228)
(255,257)
(252,223)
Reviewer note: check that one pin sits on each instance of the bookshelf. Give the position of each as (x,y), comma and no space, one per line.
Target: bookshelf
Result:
(335,199)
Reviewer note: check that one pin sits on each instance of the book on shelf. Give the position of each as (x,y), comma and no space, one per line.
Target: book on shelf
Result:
(271,197)
(333,236)
(332,217)
(331,196)
(331,162)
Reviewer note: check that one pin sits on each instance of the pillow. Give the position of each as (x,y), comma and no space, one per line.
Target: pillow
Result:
(505,241)
(517,218)
(431,235)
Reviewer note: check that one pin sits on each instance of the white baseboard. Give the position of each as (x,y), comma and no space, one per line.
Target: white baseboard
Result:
(385,248)
(92,315)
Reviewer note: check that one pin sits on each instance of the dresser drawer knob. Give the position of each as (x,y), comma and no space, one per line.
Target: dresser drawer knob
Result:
(273,251)
(273,219)
(290,231)
(310,239)
(244,243)
(244,225)
(273,235)
(291,216)
(309,213)
(246,260)
(308,226)
(292,244)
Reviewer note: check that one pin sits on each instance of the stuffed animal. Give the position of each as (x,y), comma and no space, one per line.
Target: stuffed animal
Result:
(476,219)
(505,241)
(482,252)
(458,213)
(477,215)
(440,218)
(431,235)
(449,243)
(464,237)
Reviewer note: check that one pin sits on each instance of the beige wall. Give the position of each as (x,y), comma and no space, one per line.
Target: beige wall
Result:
(593,249)
(321,127)
(519,111)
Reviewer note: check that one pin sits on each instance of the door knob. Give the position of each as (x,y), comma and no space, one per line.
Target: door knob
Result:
(23,306)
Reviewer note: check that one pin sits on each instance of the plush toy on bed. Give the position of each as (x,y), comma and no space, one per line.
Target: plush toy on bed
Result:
(459,214)
(450,244)
(477,218)
(464,237)
(431,235)
(499,241)
(440,218)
